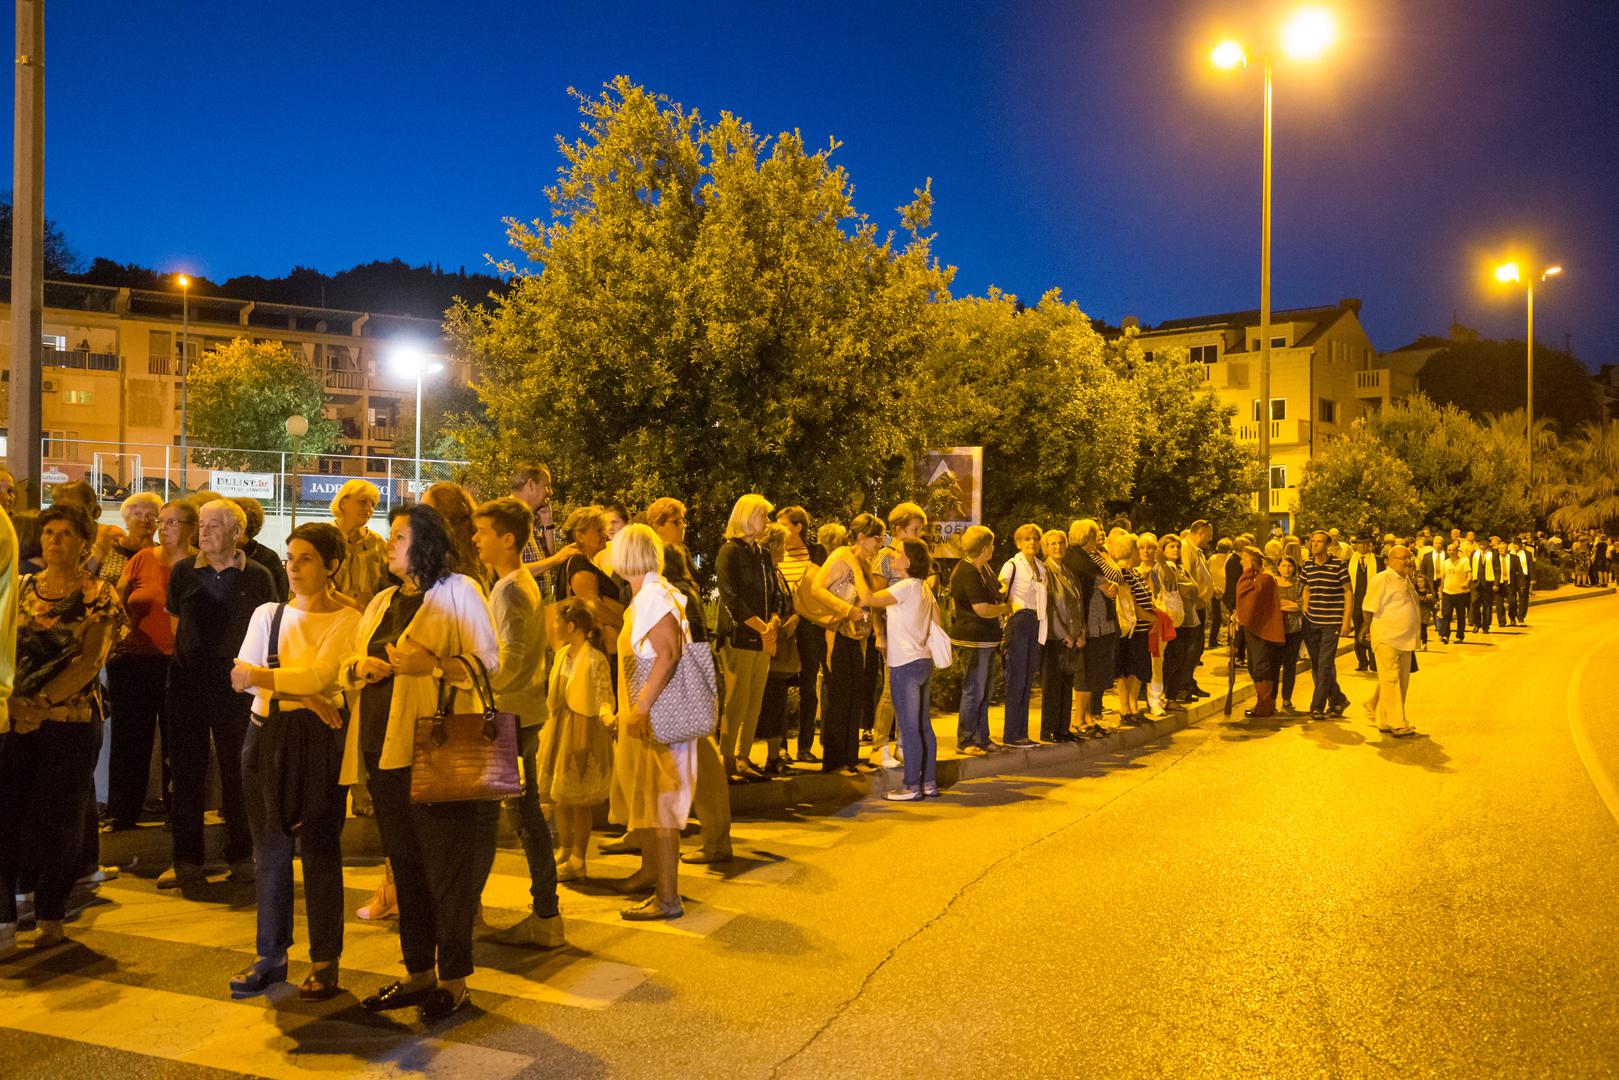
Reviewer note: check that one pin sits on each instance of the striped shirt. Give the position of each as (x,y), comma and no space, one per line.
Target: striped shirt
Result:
(793,566)
(1142,595)
(1326,582)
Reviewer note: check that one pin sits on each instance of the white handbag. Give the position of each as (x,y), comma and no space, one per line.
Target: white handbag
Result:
(939,645)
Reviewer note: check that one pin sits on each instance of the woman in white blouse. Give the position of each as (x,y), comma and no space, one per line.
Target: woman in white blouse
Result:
(290,760)
(912,612)
(412,637)
(653,781)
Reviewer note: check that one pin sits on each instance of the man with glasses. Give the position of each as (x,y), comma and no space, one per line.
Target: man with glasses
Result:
(1395,615)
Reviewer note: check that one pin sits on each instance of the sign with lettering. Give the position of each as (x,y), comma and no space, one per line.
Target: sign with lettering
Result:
(955,478)
(243,485)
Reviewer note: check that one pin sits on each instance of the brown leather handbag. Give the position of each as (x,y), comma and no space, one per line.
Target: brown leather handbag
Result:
(465,757)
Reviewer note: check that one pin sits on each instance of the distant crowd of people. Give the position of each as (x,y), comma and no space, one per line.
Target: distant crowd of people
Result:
(319,677)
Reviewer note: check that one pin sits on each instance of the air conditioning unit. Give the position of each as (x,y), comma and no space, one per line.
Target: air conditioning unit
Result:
(49,386)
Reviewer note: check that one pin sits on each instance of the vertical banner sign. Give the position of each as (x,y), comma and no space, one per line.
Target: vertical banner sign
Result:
(959,473)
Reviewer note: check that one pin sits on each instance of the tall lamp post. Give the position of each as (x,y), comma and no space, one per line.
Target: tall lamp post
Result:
(297,428)
(1509,272)
(413,362)
(1305,37)
(185,341)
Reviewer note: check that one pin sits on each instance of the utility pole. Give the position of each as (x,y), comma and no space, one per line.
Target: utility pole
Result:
(27,251)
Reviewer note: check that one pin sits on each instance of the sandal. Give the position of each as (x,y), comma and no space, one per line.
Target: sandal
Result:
(321,985)
(649,910)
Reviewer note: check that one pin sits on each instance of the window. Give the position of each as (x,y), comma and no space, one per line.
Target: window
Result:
(1147,355)
(1278,409)
(1278,476)
(1329,411)
(1278,343)
(55,341)
(1203,354)
(79,397)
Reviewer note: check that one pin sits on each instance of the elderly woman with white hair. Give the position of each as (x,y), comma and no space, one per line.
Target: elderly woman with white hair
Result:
(1099,580)
(113,552)
(364,571)
(1135,624)
(653,781)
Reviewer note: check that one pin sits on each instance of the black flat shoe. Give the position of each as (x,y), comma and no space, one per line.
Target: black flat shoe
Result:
(441,1004)
(395,996)
(321,985)
(258,977)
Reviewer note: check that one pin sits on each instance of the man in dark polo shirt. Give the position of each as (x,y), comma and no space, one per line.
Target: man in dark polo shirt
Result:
(1326,619)
(211,599)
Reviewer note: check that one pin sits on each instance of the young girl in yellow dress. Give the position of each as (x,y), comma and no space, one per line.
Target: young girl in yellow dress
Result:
(576,747)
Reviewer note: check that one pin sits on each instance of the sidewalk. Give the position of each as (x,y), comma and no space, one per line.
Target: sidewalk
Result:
(149,846)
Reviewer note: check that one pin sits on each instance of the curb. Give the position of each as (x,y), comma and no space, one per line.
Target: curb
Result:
(149,845)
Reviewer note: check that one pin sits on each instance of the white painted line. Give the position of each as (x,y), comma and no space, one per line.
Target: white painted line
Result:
(249,1038)
(1582,739)
(562,978)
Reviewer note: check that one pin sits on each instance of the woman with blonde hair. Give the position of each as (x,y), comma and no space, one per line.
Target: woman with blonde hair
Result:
(456,507)
(975,631)
(1175,593)
(365,566)
(586,529)
(747,584)
(1135,656)
(1099,580)
(1065,636)
(653,782)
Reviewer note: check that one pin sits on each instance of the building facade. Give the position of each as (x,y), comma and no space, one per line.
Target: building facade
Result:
(113,363)
(1325,375)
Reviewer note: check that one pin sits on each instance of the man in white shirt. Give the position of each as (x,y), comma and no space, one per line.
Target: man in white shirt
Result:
(1396,624)
(1455,584)
(1520,565)
(1488,577)
(1024,576)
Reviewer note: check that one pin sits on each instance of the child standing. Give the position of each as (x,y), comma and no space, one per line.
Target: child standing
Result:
(576,748)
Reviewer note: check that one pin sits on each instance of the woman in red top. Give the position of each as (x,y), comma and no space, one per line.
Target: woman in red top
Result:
(1259,610)
(139,668)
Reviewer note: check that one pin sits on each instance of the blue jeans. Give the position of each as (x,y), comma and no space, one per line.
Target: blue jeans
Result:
(972,728)
(1022,661)
(532,829)
(1321,641)
(910,686)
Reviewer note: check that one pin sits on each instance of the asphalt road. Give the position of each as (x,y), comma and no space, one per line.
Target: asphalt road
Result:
(1296,899)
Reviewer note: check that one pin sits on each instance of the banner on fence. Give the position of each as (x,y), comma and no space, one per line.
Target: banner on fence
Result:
(319,487)
(243,485)
(957,474)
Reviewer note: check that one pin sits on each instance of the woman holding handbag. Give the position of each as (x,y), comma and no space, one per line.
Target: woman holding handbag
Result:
(654,778)
(1099,580)
(411,639)
(913,615)
(1065,636)
(288,662)
(785,663)
(842,586)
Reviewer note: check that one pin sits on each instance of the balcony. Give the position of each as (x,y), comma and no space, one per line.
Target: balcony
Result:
(381,433)
(164,365)
(1282,500)
(343,379)
(1383,383)
(1282,432)
(79,359)
(1227,375)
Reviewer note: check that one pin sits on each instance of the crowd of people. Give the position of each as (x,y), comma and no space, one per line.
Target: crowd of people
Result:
(313,680)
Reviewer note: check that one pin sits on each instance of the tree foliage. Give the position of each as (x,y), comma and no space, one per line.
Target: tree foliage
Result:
(1585,488)
(61,258)
(705,314)
(240,395)
(451,412)
(1487,378)
(1359,483)
(1468,475)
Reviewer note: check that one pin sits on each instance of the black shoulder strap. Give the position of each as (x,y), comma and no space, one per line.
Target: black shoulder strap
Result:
(272,650)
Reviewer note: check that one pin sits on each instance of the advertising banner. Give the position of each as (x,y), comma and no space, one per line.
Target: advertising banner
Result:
(958,473)
(318,487)
(243,485)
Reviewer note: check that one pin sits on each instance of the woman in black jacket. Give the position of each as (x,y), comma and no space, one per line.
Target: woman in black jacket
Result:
(747,581)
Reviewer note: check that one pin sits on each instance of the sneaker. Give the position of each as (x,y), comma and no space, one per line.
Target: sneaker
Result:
(889,761)
(531,932)
(181,875)
(99,875)
(1317,714)
(903,794)
(1404,733)
(930,791)
(805,757)
(1020,744)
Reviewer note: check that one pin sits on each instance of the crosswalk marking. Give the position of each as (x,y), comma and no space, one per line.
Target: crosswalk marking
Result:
(562,978)
(249,1037)
(803,834)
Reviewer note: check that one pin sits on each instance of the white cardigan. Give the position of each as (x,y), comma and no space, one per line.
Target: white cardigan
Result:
(454,620)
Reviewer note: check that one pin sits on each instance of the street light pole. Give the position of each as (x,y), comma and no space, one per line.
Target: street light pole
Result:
(297,428)
(1264,317)
(185,341)
(419,370)
(1529,400)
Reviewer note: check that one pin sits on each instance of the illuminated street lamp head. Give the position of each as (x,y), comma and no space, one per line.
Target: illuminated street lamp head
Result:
(1551,271)
(412,362)
(183,281)
(1507,272)
(1309,33)
(1229,54)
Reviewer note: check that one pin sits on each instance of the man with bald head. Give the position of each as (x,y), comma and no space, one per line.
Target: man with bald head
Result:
(1395,615)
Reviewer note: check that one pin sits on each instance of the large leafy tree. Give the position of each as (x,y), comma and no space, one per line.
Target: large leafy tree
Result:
(61,258)
(1058,427)
(1487,378)
(1188,464)
(704,313)
(1585,490)
(1469,475)
(239,396)
(1360,485)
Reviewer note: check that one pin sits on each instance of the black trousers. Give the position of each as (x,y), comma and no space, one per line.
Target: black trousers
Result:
(532,828)
(441,855)
(46,778)
(1453,614)
(1363,639)
(1056,689)
(1191,653)
(1521,607)
(200,707)
(847,707)
(1505,605)
(812,655)
(1483,603)
(319,846)
(135,685)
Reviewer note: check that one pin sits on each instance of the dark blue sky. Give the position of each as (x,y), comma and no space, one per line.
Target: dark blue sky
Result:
(1085,145)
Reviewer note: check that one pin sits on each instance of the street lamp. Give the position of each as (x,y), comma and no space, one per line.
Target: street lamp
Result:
(185,340)
(297,428)
(1508,272)
(411,361)
(1304,37)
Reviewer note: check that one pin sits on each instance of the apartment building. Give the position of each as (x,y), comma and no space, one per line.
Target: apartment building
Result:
(1325,375)
(113,361)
